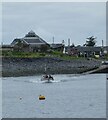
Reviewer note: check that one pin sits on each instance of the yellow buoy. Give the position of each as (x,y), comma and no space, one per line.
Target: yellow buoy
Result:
(41,97)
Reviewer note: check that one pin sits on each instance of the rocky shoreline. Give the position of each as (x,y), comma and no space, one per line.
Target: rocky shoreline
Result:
(32,66)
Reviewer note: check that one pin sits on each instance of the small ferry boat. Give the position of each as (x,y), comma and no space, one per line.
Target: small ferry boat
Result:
(47,78)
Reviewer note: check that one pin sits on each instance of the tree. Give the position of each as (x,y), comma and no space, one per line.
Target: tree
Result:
(91,41)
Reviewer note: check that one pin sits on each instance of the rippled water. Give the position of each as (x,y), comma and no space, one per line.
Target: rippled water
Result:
(68,96)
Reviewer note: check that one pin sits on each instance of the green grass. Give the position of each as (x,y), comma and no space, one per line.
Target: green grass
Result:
(41,54)
(20,54)
(37,55)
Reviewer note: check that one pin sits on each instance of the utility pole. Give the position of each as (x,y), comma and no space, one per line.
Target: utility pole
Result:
(53,39)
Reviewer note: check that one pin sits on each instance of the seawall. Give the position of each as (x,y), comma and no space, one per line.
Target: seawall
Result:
(34,66)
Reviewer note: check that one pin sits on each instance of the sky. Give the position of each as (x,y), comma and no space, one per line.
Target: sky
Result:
(61,20)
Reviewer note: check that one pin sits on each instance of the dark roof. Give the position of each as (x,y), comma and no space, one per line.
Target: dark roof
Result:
(83,49)
(30,38)
(33,41)
(15,41)
(87,49)
(56,45)
(6,46)
(31,34)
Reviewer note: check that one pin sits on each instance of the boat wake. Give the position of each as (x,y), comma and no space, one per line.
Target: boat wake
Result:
(41,82)
(57,79)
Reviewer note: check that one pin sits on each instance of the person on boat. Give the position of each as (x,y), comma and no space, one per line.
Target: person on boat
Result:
(46,76)
(50,77)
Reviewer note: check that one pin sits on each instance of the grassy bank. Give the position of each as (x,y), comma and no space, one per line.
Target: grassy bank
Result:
(39,55)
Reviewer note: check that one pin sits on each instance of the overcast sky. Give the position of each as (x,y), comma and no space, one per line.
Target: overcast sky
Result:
(76,21)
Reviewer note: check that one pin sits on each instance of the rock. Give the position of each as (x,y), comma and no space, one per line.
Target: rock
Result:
(33,66)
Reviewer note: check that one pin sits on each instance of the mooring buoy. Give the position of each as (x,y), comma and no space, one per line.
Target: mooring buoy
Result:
(41,97)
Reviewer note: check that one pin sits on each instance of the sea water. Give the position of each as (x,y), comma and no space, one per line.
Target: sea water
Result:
(68,96)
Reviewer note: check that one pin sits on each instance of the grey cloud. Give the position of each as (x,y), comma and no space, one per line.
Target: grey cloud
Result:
(62,20)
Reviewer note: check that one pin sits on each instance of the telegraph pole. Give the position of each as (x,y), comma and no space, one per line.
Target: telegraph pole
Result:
(53,39)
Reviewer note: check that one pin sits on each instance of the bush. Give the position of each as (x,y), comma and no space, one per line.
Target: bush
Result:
(42,54)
